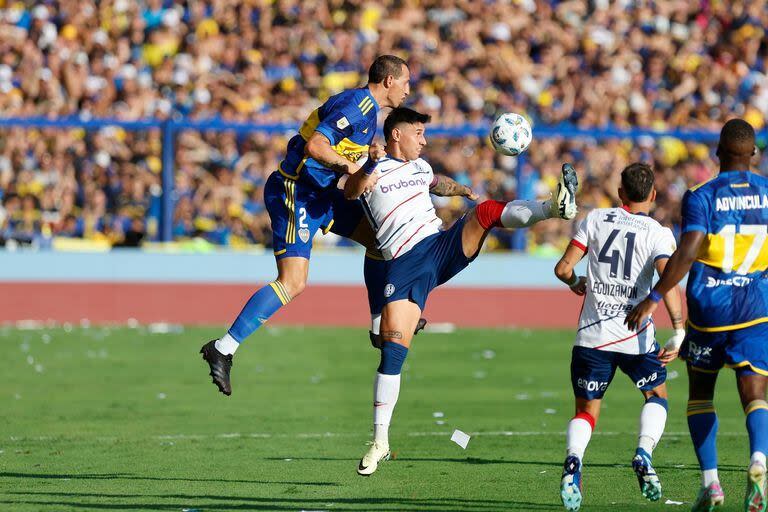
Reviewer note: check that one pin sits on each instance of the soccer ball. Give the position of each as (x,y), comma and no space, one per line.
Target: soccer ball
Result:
(511,134)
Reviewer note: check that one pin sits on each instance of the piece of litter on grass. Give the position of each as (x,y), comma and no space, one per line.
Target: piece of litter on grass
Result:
(439,422)
(542,472)
(549,411)
(161,396)
(437,414)
(479,374)
(190,510)
(678,466)
(460,438)
(673,502)
(287,460)
(489,354)
(39,368)
(672,375)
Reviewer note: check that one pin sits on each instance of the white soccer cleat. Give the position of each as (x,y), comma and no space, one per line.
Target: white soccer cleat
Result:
(564,202)
(370,461)
(755,500)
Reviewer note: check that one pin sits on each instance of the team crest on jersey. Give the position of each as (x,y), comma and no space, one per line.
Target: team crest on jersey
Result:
(342,123)
(389,290)
(304,234)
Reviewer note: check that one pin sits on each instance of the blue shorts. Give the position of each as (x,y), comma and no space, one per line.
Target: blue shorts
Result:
(740,348)
(432,262)
(592,370)
(346,215)
(297,211)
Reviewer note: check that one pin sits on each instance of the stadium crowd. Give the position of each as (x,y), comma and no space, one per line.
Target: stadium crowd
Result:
(624,64)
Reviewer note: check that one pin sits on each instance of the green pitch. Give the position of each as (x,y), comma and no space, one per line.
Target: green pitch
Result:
(126,419)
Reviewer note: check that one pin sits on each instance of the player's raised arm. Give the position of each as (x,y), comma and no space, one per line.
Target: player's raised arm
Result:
(319,147)
(444,186)
(365,178)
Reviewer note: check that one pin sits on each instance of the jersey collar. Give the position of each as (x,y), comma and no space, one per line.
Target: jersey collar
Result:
(626,209)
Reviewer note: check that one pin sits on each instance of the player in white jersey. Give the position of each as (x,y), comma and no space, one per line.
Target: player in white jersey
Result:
(624,246)
(419,257)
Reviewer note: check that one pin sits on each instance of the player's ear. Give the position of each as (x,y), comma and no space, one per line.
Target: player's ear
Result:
(652,197)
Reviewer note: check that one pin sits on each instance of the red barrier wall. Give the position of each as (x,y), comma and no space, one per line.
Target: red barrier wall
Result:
(318,305)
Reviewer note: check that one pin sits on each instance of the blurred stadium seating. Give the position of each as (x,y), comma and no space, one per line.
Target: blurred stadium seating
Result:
(599,67)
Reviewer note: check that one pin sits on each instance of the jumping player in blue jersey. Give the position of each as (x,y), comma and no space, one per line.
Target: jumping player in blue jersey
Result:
(725,226)
(300,197)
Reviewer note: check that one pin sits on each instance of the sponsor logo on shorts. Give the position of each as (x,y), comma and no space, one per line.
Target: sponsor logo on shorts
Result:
(699,354)
(647,380)
(591,385)
(737,281)
(389,290)
(304,234)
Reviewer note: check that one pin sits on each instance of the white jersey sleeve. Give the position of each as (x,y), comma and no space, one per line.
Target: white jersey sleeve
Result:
(400,208)
(622,249)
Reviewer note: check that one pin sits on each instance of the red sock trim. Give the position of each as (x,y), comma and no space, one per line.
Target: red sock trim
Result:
(586,417)
(489,213)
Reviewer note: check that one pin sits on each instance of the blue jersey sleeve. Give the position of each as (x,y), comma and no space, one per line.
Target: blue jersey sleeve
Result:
(341,121)
(695,216)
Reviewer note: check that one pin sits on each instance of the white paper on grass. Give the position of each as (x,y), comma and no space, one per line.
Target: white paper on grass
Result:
(460,438)
(672,502)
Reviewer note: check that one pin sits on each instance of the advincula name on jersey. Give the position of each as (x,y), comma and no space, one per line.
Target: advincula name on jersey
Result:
(753,202)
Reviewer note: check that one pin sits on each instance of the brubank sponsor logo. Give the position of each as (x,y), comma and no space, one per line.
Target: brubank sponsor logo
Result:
(737,281)
(418,182)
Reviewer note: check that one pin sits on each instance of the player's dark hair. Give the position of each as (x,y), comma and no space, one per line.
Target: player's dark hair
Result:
(385,65)
(403,115)
(737,139)
(637,181)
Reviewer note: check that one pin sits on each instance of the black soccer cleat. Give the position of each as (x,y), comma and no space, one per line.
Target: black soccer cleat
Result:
(220,365)
(421,325)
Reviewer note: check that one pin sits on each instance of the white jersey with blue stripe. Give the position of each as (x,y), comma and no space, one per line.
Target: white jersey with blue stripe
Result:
(399,208)
(622,249)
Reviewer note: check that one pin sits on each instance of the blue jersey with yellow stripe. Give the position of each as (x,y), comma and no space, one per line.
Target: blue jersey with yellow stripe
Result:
(348,120)
(728,282)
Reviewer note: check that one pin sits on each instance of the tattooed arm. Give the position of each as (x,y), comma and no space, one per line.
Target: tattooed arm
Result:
(445,187)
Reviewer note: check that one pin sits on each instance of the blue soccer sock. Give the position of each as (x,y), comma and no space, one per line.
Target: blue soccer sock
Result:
(262,305)
(702,424)
(757,427)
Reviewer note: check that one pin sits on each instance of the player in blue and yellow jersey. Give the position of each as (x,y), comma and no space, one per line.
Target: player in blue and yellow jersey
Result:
(302,194)
(725,226)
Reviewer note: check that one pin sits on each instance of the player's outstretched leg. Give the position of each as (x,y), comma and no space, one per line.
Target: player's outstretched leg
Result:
(653,419)
(292,277)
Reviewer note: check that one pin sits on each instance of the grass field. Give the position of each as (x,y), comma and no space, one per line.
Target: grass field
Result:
(126,419)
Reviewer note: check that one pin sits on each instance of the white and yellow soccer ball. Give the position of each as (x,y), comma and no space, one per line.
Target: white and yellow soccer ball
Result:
(511,134)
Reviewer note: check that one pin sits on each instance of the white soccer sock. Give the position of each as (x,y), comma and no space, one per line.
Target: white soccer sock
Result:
(227,344)
(578,436)
(708,476)
(521,214)
(757,458)
(386,389)
(653,418)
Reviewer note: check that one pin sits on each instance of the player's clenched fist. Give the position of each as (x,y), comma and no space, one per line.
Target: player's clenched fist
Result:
(376,152)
